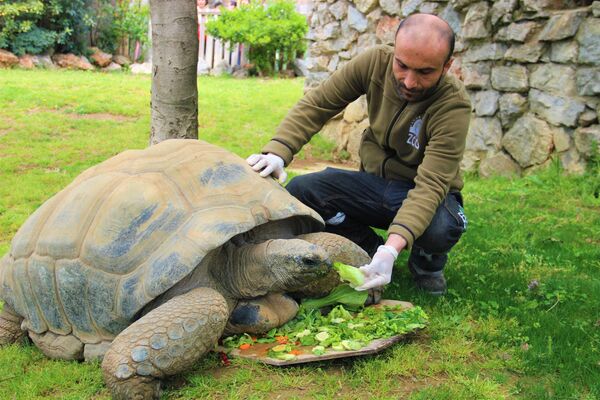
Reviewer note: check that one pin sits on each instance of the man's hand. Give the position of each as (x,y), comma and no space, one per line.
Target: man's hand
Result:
(379,271)
(268,164)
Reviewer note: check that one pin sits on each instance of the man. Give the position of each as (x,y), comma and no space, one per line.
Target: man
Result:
(409,178)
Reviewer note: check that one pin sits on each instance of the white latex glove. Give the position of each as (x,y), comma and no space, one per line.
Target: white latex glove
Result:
(379,271)
(268,164)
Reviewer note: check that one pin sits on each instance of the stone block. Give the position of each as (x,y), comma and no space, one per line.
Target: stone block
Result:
(512,106)
(474,25)
(555,109)
(452,17)
(596,8)
(561,139)
(516,32)
(572,162)
(485,52)
(553,78)
(486,103)
(354,132)
(525,53)
(499,164)
(329,31)
(485,134)
(100,58)
(71,61)
(43,61)
(357,110)
(587,118)
(392,7)
(510,79)
(26,61)
(7,59)
(333,63)
(476,76)
(339,10)
(386,29)
(502,11)
(332,130)
(410,7)
(562,26)
(461,4)
(564,52)
(588,38)
(357,20)
(588,81)
(365,6)
(529,141)
(584,137)
(429,7)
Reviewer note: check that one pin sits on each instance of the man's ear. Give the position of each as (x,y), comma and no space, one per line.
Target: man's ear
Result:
(448,65)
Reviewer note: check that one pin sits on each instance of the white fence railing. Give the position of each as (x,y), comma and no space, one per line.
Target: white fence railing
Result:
(213,50)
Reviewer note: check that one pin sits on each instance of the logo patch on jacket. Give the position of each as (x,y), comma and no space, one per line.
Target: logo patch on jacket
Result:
(413,132)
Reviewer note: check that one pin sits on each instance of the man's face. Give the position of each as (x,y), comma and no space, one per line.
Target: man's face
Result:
(418,66)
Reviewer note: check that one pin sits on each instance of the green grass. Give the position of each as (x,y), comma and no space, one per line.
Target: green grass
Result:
(491,337)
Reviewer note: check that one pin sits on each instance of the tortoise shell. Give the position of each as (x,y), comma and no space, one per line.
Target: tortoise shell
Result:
(127,230)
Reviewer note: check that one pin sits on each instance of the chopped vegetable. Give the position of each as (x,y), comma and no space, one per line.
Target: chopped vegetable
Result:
(279,348)
(350,274)
(342,294)
(321,336)
(245,346)
(318,350)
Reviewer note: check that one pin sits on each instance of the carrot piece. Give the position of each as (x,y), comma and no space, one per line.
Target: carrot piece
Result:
(295,352)
(245,346)
(281,339)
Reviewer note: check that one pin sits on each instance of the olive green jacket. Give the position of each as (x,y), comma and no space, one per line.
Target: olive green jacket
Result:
(418,141)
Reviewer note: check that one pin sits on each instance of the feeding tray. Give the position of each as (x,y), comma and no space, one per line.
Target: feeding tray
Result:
(259,351)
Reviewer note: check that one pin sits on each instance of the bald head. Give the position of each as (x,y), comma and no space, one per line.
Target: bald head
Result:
(428,30)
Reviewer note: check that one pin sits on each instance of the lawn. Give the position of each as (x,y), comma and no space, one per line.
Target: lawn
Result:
(521,319)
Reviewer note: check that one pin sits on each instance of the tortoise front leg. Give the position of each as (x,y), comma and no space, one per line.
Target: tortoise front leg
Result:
(166,341)
(10,327)
(262,314)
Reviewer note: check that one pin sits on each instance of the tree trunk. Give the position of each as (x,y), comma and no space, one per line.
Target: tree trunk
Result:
(175,58)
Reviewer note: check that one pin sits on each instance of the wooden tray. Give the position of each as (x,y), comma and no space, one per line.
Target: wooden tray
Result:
(258,351)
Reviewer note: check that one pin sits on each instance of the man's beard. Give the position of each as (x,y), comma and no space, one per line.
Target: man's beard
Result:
(413,96)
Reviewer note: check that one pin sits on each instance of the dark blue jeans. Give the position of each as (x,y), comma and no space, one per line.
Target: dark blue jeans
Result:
(370,201)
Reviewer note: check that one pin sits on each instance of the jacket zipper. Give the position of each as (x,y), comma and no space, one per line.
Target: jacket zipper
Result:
(387,138)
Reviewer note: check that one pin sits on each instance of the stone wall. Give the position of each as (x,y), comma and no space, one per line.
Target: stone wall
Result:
(532,68)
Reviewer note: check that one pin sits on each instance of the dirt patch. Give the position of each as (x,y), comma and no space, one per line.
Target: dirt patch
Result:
(311,164)
(91,116)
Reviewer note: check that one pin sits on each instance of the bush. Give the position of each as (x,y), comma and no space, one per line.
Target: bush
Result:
(119,26)
(17,18)
(274,31)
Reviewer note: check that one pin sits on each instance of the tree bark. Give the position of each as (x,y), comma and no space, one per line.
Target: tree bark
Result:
(175,58)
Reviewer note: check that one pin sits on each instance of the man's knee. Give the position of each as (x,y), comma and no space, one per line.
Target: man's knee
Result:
(443,233)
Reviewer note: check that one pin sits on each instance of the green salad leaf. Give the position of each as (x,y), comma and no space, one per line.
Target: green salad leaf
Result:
(342,294)
(350,274)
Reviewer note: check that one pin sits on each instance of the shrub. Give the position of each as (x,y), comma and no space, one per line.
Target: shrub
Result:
(17,18)
(119,26)
(274,31)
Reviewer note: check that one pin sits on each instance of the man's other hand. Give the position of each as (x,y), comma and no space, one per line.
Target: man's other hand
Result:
(379,271)
(268,164)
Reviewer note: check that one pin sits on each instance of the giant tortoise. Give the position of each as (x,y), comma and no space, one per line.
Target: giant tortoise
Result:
(149,257)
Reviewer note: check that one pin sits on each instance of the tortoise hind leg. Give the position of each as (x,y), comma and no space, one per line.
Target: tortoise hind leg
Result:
(10,327)
(166,341)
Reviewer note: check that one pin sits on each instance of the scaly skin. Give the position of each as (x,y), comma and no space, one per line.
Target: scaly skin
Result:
(10,327)
(166,341)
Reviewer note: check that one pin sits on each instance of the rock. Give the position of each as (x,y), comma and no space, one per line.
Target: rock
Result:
(476,76)
(470,160)
(596,8)
(26,62)
(373,18)
(499,164)
(410,7)
(221,68)
(460,4)
(332,130)
(474,25)
(554,78)
(571,162)
(121,60)
(562,26)
(43,61)
(450,15)
(318,64)
(71,61)
(100,58)
(555,109)
(561,139)
(485,52)
(339,10)
(512,106)
(241,73)
(329,31)
(588,38)
(429,8)
(354,133)
(588,81)
(516,32)
(584,137)
(333,63)
(540,7)
(314,79)
(486,103)
(587,118)
(485,134)
(112,67)
(564,52)
(365,6)
(300,67)
(357,110)
(391,7)
(529,141)
(145,68)
(502,11)
(7,59)
(386,29)
(525,53)
(357,20)
(510,79)
(365,42)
